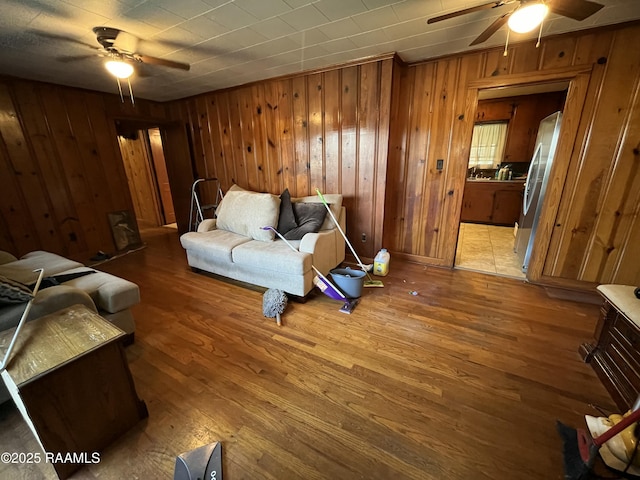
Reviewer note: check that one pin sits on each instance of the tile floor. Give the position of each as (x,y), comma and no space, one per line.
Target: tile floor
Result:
(489,249)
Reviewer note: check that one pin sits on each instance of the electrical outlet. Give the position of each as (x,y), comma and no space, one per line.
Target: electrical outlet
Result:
(364,237)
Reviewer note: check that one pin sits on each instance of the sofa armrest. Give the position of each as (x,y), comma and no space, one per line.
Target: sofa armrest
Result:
(6,257)
(207,225)
(47,301)
(322,246)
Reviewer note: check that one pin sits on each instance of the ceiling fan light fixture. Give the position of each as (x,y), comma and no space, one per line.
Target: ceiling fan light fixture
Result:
(528,17)
(119,68)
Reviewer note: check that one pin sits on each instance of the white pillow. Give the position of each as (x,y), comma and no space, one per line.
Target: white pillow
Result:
(245,213)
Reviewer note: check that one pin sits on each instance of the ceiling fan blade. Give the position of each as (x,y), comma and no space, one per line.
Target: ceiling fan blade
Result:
(493,28)
(575,9)
(74,58)
(164,63)
(53,36)
(465,11)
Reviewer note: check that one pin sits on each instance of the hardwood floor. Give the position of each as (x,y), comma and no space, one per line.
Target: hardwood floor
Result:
(463,381)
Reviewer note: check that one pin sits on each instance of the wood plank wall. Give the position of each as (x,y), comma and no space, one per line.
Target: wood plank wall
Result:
(61,170)
(593,233)
(326,130)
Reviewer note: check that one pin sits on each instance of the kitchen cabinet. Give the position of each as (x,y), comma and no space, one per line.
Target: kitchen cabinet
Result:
(524,114)
(492,202)
(528,111)
(494,110)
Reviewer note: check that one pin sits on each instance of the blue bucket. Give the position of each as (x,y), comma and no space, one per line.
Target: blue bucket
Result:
(349,281)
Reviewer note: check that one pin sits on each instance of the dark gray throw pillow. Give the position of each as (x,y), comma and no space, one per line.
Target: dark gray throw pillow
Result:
(309,217)
(13,292)
(286,219)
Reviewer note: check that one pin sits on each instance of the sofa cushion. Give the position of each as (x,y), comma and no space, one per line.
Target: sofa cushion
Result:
(245,213)
(23,270)
(215,245)
(334,200)
(13,292)
(309,218)
(275,256)
(110,293)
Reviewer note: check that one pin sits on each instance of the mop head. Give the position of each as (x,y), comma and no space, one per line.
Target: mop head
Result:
(274,302)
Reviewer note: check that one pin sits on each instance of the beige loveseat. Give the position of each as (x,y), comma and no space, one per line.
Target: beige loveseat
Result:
(235,246)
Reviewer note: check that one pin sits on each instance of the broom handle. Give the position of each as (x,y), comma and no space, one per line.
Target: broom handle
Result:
(617,428)
(333,217)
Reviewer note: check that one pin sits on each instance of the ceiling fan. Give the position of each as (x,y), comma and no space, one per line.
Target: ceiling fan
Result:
(121,46)
(531,12)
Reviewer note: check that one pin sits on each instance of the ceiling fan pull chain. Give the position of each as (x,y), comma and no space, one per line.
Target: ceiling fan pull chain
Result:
(539,33)
(131,92)
(506,44)
(120,90)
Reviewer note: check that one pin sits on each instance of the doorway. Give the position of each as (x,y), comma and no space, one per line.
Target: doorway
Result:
(145,166)
(494,190)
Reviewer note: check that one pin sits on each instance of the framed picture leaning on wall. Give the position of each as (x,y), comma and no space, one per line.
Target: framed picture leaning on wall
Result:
(124,229)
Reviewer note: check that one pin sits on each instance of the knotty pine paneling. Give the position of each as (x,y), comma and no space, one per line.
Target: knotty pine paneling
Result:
(591,234)
(62,171)
(600,210)
(326,129)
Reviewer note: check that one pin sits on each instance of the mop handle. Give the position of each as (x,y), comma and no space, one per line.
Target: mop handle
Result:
(281,237)
(333,217)
(23,319)
(617,428)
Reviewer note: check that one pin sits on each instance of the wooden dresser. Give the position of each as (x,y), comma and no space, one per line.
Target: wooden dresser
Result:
(615,352)
(70,380)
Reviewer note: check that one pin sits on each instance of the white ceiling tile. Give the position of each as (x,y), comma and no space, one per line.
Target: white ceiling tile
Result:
(412,9)
(298,3)
(232,16)
(374,37)
(376,18)
(407,29)
(273,47)
(175,38)
(340,45)
(241,38)
(263,8)
(152,15)
(184,8)
(314,51)
(100,7)
(309,37)
(340,28)
(338,9)
(273,28)
(305,17)
(205,27)
(217,3)
(373,4)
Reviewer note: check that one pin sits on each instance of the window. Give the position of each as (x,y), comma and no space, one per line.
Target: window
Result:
(487,144)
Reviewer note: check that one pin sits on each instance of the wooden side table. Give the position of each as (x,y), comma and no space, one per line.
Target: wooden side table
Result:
(615,352)
(70,379)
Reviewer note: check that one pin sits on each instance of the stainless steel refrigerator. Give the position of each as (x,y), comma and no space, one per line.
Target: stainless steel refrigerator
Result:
(536,186)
